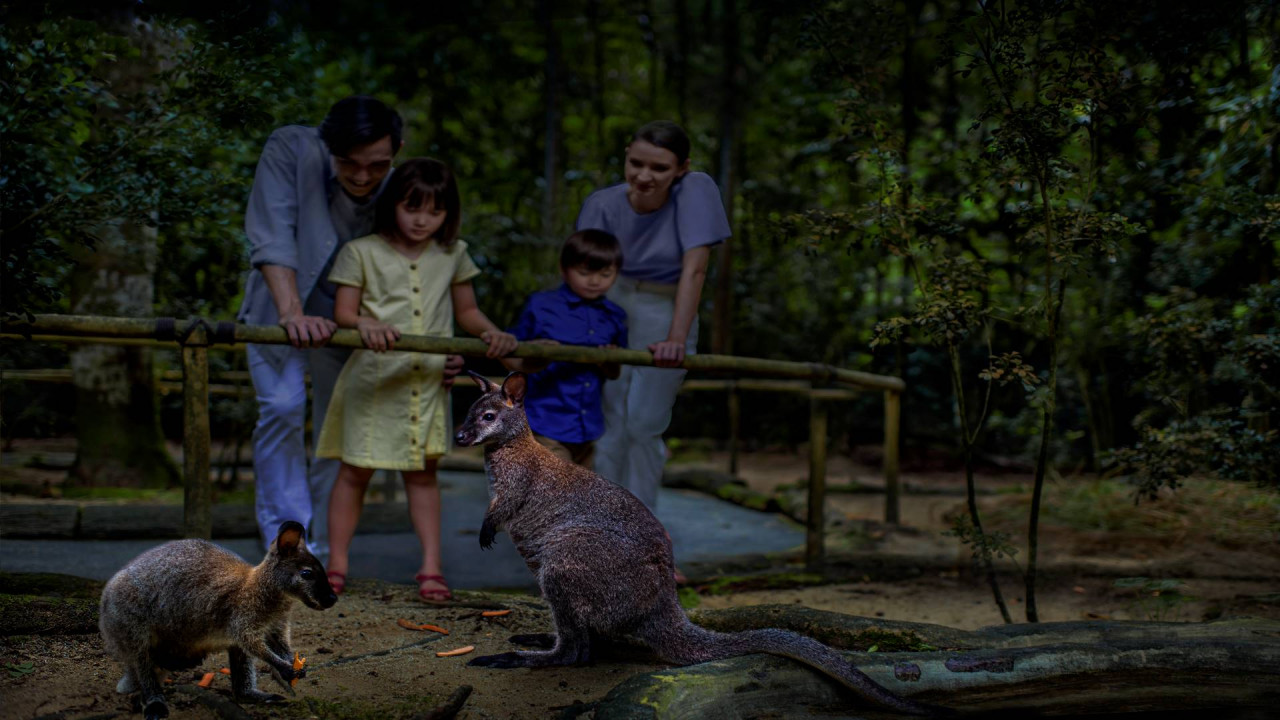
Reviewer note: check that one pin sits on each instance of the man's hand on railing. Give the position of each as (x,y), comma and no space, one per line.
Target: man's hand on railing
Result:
(306,331)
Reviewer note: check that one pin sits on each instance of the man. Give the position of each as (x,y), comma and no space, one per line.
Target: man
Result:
(314,190)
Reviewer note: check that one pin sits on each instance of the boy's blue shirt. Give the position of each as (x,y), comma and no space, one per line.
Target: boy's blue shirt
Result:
(563,401)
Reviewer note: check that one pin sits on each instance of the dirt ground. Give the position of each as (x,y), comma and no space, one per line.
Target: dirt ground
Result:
(1216,548)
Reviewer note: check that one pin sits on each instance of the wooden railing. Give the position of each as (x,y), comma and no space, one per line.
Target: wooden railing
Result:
(196,336)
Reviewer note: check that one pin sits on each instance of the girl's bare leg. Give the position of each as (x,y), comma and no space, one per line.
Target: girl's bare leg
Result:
(423,493)
(345,504)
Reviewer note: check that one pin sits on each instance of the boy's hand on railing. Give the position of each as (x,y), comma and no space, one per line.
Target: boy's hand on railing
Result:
(377,336)
(500,343)
(308,330)
(452,366)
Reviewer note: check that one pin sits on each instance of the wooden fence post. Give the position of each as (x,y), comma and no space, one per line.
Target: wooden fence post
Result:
(735,425)
(813,545)
(197,492)
(892,489)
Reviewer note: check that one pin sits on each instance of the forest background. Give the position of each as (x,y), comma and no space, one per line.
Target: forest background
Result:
(1058,220)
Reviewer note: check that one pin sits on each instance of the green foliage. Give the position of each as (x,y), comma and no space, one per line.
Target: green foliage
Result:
(19,669)
(1152,599)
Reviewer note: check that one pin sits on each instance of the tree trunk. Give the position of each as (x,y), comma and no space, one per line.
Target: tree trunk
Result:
(1026,670)
(722,327)
(551,141)
(117,426)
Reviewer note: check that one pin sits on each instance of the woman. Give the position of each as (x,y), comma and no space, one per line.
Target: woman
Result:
(666,220)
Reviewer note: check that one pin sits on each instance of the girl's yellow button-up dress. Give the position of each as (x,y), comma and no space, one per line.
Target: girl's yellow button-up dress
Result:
(388,409)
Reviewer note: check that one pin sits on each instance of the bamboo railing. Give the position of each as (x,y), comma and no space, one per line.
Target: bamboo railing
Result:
(196,336)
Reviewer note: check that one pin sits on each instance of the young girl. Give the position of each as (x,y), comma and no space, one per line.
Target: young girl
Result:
(388,409)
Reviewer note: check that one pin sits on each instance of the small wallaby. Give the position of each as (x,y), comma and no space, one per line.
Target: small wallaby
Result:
(603,561)
(176,603)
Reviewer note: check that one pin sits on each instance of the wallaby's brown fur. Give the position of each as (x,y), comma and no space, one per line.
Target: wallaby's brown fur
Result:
(176,603)
(603,561)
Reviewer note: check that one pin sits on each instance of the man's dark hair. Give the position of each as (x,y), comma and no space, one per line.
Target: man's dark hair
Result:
(595,249)
(416,183)
(666,135)
(360,120)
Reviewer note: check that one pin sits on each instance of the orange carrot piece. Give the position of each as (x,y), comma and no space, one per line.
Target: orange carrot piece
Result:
(206,681)
(407,625)
(459,651)
(495,613)
(298,661)
(433,628)
(225,671)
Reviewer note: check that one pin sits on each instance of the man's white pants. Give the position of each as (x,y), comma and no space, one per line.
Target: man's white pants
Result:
(637,406)
(289,485)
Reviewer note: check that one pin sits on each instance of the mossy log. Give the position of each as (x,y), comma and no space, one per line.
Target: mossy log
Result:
(1050,669)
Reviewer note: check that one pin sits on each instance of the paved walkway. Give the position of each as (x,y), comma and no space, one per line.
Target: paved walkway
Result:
(702,529)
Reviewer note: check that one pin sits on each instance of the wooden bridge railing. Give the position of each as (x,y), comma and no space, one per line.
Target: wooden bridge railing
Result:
(195,337)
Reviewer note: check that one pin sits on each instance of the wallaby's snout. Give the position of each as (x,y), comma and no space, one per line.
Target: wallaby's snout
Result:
(498,415)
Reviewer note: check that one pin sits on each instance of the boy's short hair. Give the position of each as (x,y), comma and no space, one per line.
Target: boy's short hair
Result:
(596,249)
(360,120)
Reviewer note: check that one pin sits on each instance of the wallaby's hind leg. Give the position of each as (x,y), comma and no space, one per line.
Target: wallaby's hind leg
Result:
(244,679)
(539,640)
(150,694)
(572,645)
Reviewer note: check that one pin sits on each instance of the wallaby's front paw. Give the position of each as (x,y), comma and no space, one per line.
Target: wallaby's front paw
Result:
(156,709)
(258,696)
(284,676)
(501,661)
(488,531)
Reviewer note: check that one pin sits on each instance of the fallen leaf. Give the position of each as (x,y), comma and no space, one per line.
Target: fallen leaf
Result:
(1078,590)
(407,625)
(495,613)
(459,651)
(206,681)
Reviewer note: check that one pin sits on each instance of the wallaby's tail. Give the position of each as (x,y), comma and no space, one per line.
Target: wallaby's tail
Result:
(684,643)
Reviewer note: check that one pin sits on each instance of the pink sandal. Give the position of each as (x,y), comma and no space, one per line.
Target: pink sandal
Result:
(337,581)
(433,594)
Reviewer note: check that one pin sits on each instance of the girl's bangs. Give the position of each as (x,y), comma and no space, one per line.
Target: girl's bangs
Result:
(418,195)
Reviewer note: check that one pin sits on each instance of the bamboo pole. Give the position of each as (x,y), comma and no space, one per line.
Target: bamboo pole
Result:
(814,525)
(143,328)
(197,492)
(892,488)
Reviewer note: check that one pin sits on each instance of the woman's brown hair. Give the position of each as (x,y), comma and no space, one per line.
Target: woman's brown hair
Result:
(415,183)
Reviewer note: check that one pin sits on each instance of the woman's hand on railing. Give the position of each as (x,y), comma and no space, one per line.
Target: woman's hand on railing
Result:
(667,353)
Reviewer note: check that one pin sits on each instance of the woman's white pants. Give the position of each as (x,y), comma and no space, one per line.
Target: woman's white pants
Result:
(637,406)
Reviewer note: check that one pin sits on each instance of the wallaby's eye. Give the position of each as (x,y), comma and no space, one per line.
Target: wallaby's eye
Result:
(489,416)
(307,573)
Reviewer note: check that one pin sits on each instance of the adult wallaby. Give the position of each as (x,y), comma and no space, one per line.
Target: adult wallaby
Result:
(176,603)
(603,561)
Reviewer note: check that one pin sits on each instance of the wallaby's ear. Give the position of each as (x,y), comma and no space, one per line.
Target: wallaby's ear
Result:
(482,381)
(290,538)
(513,389)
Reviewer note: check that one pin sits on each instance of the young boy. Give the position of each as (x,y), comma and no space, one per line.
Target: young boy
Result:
(563,400)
